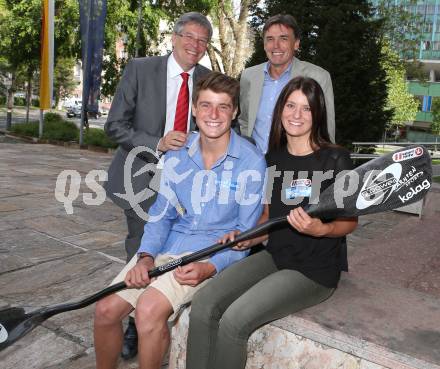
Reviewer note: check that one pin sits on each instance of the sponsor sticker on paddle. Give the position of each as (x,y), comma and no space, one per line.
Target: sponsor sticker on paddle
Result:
(407,154)
(3,334)
(378,188)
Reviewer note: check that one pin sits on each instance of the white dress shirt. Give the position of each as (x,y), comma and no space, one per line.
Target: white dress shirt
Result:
(174,81)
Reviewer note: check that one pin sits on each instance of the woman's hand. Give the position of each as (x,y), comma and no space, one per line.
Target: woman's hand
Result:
(243,245)
(304,223)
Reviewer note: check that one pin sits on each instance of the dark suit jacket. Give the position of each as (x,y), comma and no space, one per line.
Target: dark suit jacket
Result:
(137,118)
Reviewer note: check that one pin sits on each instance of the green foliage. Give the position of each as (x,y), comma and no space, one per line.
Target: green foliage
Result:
(97,137)
(19,101)
(341,37)
(435,110)
(26,129)
(64,82)
(20,36)
(401,29)
(399,100)
(55,128)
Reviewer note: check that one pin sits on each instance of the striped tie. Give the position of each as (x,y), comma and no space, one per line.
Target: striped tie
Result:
(181,119)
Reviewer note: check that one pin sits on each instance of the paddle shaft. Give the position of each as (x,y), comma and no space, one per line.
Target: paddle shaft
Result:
(198,255)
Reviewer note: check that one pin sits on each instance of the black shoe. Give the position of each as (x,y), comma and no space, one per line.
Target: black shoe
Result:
(130,346)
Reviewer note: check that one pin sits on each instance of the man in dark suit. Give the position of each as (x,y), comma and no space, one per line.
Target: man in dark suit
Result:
(150,114)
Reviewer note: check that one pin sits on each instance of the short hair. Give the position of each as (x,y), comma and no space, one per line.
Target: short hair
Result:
(286,20)
(319,136)
(218,83)
(193,17)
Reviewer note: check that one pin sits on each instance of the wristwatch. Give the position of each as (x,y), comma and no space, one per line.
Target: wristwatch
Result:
(142,255)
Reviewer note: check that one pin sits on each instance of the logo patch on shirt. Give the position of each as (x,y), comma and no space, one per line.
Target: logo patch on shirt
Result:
(299,188)
(227,184)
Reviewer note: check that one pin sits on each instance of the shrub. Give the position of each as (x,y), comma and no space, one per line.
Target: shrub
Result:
(97,137)
(55,128)
(26,129)
(2,100)
(19,101)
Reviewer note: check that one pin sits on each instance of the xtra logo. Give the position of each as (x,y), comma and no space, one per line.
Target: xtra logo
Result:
(414,191)
(379,188)
(407,154)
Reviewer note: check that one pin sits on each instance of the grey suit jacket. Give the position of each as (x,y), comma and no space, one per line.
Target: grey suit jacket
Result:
(251,87)
(137,118)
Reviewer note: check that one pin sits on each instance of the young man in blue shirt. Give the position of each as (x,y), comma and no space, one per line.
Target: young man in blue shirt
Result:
(211,186)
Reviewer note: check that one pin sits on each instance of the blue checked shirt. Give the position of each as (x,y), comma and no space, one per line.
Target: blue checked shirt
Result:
(195,207)
(269,96)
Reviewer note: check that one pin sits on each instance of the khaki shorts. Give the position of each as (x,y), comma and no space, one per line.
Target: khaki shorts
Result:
(178,295)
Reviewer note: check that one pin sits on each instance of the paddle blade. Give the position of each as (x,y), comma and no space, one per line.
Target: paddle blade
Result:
(388,182)
(15,323)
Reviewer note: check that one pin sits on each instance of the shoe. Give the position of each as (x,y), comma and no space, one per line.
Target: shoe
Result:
(130,345)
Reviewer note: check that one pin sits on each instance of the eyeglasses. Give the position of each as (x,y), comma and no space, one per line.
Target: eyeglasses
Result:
(190,38)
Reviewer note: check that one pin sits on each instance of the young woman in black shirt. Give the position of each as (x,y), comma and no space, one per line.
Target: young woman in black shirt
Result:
(301,264)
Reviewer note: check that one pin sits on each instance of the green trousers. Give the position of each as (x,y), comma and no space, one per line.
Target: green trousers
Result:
(239,300)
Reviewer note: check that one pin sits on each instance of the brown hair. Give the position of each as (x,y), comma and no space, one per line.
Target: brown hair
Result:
(286,20)
(319,136)
(218,83)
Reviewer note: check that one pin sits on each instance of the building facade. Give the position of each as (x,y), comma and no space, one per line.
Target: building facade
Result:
(428,54)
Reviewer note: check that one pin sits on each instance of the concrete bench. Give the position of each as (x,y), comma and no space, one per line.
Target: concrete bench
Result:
(350,330)
(385,313)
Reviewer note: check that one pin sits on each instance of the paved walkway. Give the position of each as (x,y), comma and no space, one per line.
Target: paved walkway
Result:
(48,257)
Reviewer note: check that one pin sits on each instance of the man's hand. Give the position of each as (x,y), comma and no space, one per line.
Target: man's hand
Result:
(173,140)
(193,274)
(304,223)
(137,277)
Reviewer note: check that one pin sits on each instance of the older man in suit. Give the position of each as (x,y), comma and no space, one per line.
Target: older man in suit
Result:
(261,85)
(151,109)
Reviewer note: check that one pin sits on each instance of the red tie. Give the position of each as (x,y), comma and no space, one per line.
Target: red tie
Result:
(181,119)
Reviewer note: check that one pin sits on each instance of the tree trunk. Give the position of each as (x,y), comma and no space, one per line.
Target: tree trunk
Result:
(213,59)
(10,102)
(28,94)
(234,36)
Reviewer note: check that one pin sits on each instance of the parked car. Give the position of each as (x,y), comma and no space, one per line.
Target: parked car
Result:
(74,111)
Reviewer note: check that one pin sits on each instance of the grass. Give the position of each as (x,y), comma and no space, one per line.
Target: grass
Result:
(436,179)
(383,151)
(56,128)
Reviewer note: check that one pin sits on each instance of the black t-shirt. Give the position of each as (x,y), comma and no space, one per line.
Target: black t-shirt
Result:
(319,258)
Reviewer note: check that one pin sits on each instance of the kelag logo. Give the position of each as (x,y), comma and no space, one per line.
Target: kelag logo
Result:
(377,189)
(425,185)
(407,154)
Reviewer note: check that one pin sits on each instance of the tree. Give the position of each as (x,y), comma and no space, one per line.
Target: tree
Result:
(401,29)
(341,37)
(20,35)
(136,24)
(402,32)
(64,82)
(403,105)
(235,36)
(435,110)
